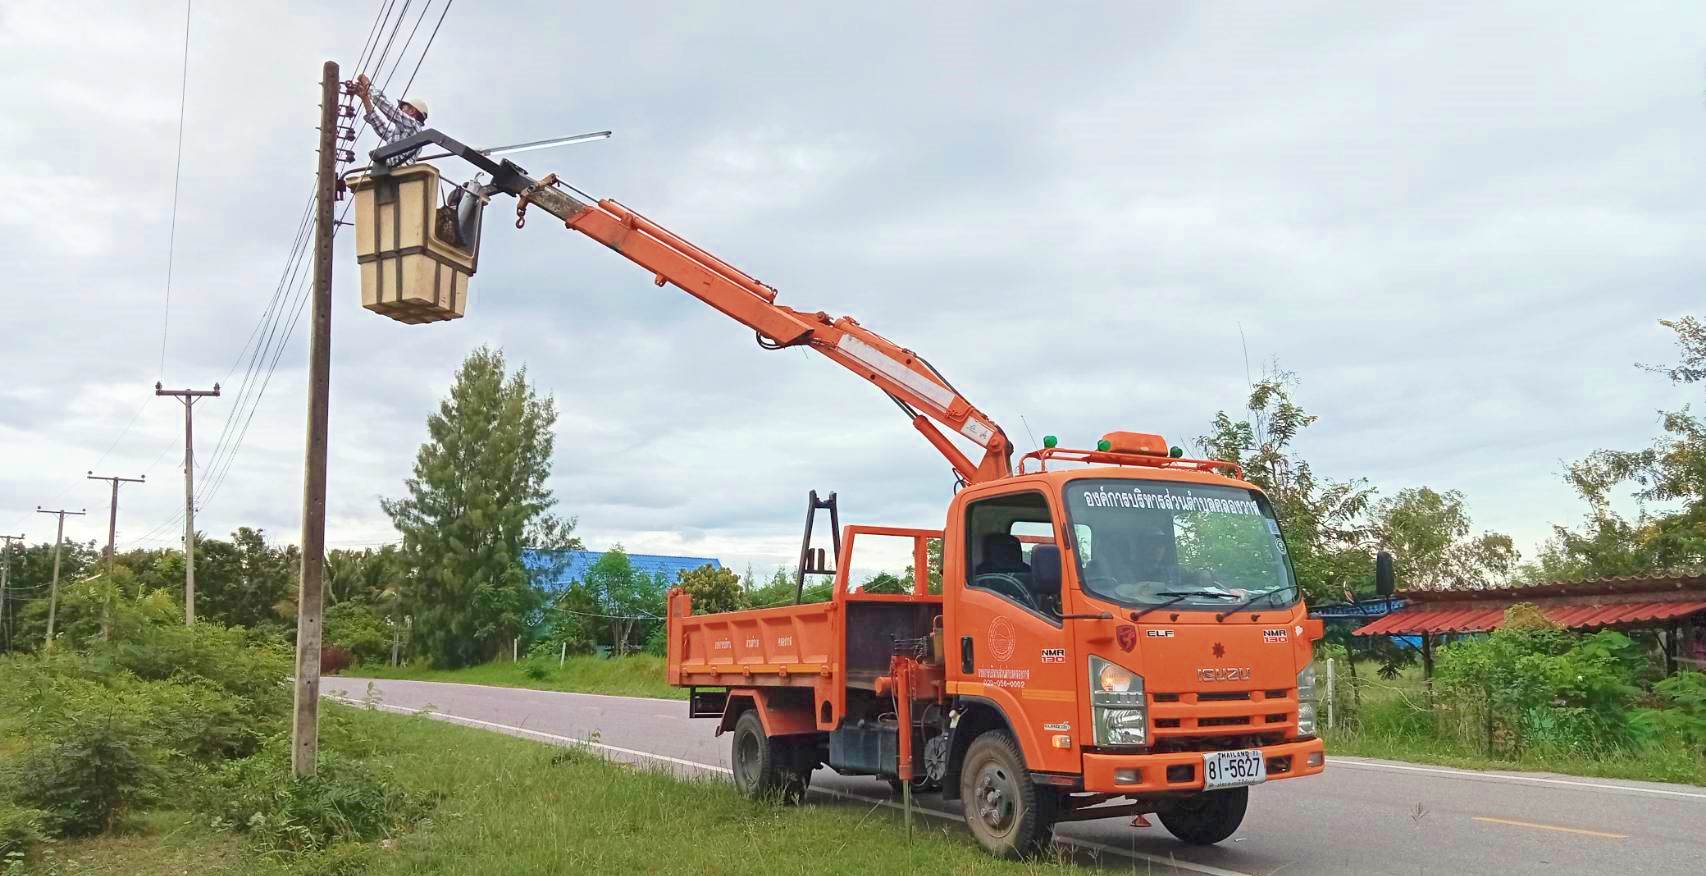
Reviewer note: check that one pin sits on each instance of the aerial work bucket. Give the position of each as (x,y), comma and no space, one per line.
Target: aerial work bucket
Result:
(415,256)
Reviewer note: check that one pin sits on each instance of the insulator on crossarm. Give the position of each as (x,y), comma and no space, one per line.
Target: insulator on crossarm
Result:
(346,110)
(346,133)
(345,155)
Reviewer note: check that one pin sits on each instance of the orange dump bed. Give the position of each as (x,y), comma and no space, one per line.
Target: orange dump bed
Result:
(786,645)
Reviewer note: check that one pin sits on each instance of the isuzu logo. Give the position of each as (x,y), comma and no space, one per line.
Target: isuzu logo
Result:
(1224,674)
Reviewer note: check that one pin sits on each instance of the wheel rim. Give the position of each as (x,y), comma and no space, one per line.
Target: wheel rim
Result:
(996,798)
(746,758)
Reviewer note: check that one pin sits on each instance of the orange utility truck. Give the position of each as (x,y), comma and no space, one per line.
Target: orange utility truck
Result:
(1117,633)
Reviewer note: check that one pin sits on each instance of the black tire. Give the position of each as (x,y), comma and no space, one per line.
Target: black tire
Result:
(1206,818)
(766,768)
(1008,813)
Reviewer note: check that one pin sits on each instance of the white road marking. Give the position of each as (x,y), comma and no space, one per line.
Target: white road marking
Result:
(587,743)
(1508,777)
(565,693)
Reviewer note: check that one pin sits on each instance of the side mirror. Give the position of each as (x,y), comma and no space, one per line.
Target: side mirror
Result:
(1385,580)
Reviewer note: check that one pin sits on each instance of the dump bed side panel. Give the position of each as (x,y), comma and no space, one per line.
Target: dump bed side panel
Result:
(787,645)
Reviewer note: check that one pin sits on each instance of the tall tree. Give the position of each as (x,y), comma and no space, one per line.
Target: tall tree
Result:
(1325,522)
(1669,483)
(476,498)
(1428,532)
(630,600)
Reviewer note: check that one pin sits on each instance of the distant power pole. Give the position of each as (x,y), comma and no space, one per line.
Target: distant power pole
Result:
(112,515)
(5,575)
(53,591)
(188,397)
(112,537)
(305,728)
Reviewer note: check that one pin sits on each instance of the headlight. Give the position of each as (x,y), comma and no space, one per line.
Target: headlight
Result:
(1117,703)
(1306,701)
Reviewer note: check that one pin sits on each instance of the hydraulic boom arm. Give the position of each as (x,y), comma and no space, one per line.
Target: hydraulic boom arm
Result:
(900,373)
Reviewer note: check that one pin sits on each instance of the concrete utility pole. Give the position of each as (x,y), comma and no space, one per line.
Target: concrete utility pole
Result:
(5,576)
(188,397)
(112,537)
(305,729)
(53,591)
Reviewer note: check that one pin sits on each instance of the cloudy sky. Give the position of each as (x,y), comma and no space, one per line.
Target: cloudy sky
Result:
(1458,223)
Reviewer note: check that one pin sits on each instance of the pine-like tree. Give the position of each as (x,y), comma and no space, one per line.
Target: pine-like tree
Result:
(476,499)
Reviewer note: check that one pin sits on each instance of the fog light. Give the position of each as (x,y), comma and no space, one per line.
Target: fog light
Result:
(1128,776)
(1316,758)
(1306,719)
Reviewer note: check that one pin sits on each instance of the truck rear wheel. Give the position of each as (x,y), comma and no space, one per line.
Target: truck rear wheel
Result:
(766,768)
(1009,814)
(1206,818)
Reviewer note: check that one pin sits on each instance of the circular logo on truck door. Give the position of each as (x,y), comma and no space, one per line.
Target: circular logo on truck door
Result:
(1002,639)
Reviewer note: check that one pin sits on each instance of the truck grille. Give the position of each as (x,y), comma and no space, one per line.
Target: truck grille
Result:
(1221,714)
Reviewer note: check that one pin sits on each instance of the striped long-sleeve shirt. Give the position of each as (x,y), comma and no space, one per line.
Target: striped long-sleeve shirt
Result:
(392,124)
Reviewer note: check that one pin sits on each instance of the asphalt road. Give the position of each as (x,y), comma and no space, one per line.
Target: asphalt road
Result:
(1361,816)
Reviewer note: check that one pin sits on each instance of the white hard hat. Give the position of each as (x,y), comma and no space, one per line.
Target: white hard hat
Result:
(419,105)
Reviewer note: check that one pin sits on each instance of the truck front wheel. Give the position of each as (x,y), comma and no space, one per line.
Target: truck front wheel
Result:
(765,768)
(1207,818)
(1009,814)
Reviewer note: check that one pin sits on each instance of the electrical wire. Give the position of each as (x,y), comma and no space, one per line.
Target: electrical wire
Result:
(177,177)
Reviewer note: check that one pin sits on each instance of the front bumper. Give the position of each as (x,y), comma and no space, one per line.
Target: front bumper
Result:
(1182,770)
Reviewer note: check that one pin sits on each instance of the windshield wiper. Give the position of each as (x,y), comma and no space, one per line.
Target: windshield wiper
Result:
(1221,617)
(1179,596)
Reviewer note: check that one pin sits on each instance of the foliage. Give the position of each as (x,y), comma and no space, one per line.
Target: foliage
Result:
(713,589)
(933,559)
(94,765)
(885,582)
(21,828)
(571,620)
(630,600)
(476,497)
(1530,683)
(358,628)
(346,800)
(1428,532)
(245,581)
(1324,521)
(780,589)
(1682,712)
(1670,472)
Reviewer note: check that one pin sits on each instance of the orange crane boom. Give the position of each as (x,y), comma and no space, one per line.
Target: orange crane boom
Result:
(903,375)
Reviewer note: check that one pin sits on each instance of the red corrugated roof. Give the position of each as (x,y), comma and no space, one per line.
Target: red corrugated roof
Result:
(1479,619)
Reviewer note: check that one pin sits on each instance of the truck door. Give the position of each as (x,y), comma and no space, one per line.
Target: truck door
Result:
(1007,644)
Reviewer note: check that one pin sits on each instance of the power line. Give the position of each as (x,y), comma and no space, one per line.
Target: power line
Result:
(177,176)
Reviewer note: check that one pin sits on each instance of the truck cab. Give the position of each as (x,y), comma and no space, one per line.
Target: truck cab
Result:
(1118,633)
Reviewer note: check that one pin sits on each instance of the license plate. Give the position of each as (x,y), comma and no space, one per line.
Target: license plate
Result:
(1231,769)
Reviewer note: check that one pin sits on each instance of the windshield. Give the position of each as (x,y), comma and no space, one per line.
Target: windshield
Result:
(1151,542)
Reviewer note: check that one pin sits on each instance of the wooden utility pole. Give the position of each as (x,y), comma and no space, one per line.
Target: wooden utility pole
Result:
(53,590)
(112,537)
(188,397)
(305,730)
(5,576)
(112,513)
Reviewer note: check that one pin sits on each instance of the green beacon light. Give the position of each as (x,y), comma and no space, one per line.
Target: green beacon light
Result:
(1176,451)
(1104,445)
(1050,441)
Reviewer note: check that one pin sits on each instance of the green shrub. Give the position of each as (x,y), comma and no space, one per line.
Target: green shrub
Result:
(356,627)
(539,667)
(21,829)
(93,768)
(346,801)
(1683,709)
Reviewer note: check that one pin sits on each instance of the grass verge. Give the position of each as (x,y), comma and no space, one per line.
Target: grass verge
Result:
(637,675)
(508,806)
(1394,722)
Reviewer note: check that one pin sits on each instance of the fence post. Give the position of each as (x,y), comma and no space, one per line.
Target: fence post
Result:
(1329,693)
(563,654)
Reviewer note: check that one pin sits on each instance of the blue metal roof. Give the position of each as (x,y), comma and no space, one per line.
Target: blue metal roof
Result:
(580,561)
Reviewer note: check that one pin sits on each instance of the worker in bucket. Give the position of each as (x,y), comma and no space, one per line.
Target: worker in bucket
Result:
(392,122)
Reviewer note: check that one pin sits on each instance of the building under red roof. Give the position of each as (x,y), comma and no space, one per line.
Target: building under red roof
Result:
(1672,603)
